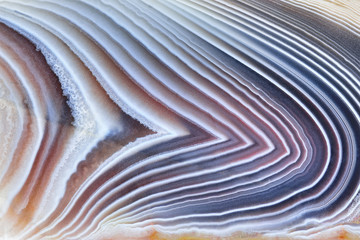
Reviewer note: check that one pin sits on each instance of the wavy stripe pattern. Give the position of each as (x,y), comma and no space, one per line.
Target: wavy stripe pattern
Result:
(152,118)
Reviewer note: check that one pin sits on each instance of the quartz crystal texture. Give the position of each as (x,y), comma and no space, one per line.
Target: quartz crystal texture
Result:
(179,119)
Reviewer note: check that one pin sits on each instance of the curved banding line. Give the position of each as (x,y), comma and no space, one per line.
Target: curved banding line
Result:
(140,118)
